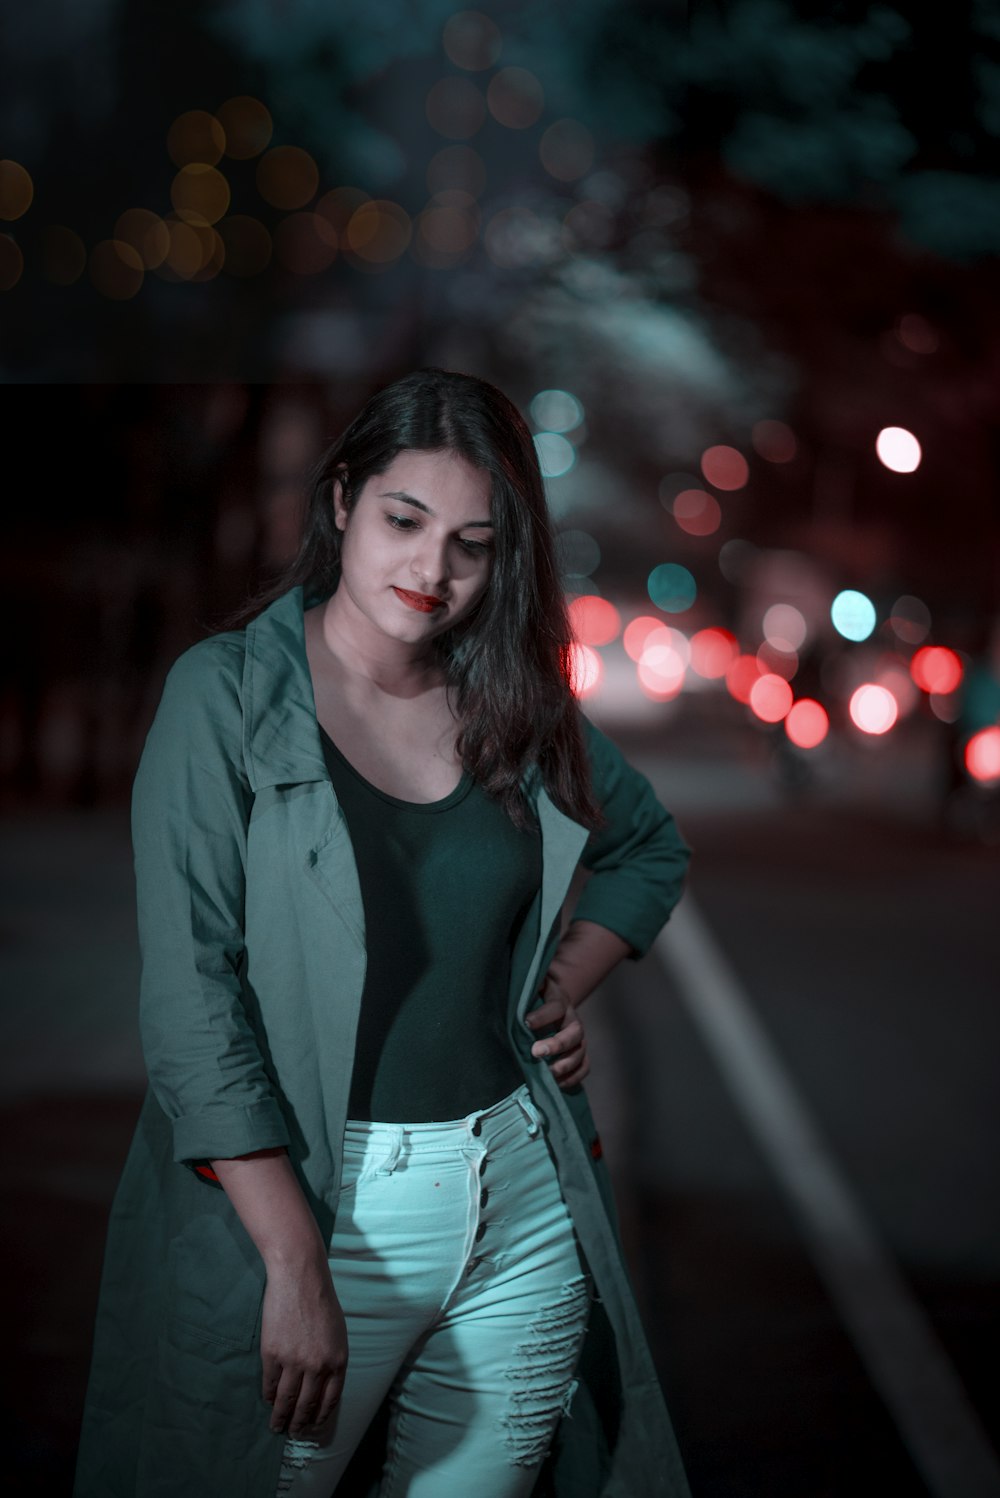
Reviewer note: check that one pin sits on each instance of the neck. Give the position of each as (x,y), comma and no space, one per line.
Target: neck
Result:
(376,665)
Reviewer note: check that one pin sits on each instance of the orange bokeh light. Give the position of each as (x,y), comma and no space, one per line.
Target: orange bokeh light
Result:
(594,620)
(807,723)
(936,669)
(712,651)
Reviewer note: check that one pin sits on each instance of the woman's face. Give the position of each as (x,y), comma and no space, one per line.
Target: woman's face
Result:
(417,544)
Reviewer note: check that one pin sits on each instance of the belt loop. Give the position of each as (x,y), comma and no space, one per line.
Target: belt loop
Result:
(391,1160)
(530,1112)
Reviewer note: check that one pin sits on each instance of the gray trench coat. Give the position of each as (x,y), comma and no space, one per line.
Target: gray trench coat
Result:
(252,940)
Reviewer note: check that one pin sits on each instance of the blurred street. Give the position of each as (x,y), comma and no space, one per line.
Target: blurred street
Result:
(861,933)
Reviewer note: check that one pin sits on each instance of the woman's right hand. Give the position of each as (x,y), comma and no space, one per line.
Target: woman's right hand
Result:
(303,1348)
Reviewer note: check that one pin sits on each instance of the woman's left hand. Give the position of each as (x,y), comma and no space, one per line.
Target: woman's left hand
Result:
(566,1047)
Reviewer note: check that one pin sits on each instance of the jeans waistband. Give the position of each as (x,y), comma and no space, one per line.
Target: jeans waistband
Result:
(483,1125)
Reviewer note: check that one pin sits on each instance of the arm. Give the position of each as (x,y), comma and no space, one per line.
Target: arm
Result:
(638,863)
(191,806)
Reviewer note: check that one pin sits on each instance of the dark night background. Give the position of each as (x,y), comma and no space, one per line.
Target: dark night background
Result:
(738,241)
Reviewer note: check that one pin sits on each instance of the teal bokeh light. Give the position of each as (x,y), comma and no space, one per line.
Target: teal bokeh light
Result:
(556,456)
(556,411)
(853,615)
(672,587)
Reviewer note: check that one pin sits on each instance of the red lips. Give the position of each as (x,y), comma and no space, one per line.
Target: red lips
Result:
(425,603)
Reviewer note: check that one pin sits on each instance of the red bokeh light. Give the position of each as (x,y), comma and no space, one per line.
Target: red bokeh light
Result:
(725,467)
(586,670)
(594,620)
(770,697)
(636,634)
(936,669)
(741,675)
(807,723)
(873,708)
(982,755)
(712,651)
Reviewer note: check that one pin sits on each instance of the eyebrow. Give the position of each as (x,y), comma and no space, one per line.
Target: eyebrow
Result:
(419,504)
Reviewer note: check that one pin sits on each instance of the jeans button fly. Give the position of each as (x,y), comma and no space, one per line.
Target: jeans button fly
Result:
(480,1230)
(484,1197)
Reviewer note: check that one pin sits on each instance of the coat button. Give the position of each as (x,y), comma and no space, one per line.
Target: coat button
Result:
(480,1231)
(484,1197)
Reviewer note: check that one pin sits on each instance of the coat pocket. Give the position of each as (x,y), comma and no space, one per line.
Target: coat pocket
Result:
(216,1282)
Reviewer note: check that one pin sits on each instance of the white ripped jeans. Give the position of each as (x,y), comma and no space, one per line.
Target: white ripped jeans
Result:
(455,1262)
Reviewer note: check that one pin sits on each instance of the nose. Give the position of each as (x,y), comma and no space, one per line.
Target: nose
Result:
(430,567)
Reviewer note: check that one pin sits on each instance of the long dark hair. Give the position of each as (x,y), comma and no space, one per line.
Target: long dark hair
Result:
(507,664)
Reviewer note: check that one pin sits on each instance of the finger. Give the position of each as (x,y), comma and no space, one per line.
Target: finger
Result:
(307,1404)
(577,1076)
(548,1013)
(566,1065)
(568,1039)
(284,1399)
(332,1391)
(270,1374)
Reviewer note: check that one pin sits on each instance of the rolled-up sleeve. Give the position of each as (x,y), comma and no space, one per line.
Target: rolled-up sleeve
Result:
(191,805)
(638,860)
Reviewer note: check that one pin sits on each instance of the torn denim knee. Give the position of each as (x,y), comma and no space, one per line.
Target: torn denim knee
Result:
(541,1373)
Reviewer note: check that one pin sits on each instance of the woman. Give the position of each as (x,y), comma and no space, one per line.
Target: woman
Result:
(364,1241)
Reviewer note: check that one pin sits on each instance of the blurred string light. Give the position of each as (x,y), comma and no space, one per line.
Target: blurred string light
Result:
(637,632)
(725,467)
(982,756)
(783,663)
(661,666)
(200,194)
(556,411)
(586,670)
(894,674)
(577,553)
(672,587)
(17,190)
(774,441)
(116,269)
(873,708)
(455,108)
(853,614)
(594,620)
(515,98)
(196,137)
(898,449)
(712,652)
(566,150)
(247,127)
(741,673)
(910,618)
(446,230)
(916,333)
(11,263)
(378,232)
(287,177)
(146,232)
(936,669)
(807,723)
(556,455)
(471,40)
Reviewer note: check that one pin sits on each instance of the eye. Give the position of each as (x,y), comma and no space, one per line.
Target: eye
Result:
(401,522)
(478,548)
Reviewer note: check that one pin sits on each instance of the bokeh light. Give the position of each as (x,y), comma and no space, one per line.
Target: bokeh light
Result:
(515,237)
(774,441)
(637,632)
(780,662)
(556,455)
(916,333)
(586,670)
(455,108)
(446,230)
(807,723)
(910,619)
(379,231)
(936,669)
(247,245)
(672,587)
(11,263)
(196,136)
(305,243)
(725,467)
(898,449)
(660,670)
(741,673)
(697,512)
(116,269)
(247,126)
(873,708)
(146,232)
(770,697)
(556,411)
(894,674)
(712,652)
(200,194)
(784,627)
(471,40)
(16,190)
(515,98)
(982,755)
(287,177)
(64,254)
(456,167)
(594,620)
(853,614)
(566,150)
